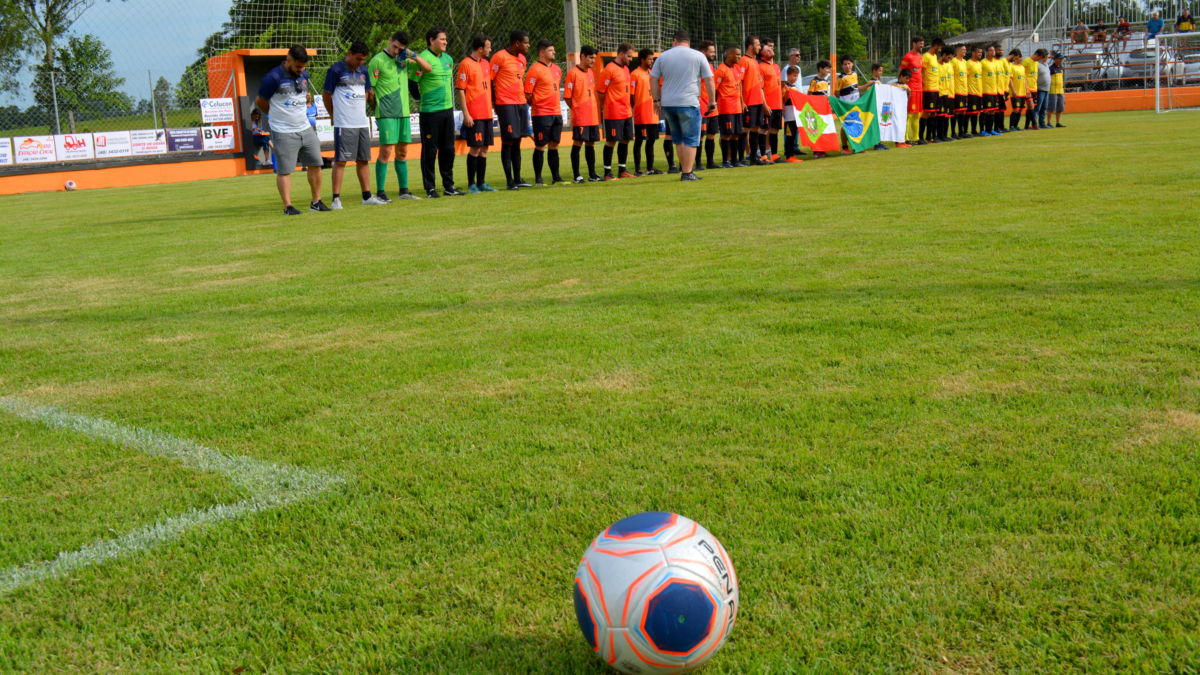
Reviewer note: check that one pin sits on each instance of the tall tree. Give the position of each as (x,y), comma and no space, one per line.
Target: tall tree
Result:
(43,22)
(84,80)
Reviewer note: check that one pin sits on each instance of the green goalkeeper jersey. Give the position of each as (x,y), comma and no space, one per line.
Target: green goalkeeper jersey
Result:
(389,79)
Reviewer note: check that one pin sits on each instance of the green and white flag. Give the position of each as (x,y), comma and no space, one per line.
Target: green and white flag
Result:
(859,120)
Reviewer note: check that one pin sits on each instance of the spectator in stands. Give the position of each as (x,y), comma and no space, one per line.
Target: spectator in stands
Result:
(1079,34)
(1100,32)
(1185,23)
(1154,26)
(1124,30)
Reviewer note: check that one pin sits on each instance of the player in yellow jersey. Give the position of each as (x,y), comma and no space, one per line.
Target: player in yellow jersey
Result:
(959,69)
(946,89)
(987,116)
(930,95)
(1003,80)
(1020,91)
(975,88)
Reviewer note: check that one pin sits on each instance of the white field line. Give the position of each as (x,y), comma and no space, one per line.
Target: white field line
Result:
(272,486)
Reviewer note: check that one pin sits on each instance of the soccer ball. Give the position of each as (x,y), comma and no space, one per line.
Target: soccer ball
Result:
(69,185)
(655,593)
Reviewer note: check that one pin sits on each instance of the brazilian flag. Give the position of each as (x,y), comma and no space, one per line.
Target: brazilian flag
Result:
(859,121)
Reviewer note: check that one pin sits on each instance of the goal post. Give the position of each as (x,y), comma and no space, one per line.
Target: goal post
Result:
(1176,71)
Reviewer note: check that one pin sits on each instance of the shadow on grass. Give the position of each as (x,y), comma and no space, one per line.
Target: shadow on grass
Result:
(550,653)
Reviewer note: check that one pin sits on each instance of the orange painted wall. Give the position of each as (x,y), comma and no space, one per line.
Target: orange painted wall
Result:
(1127,99)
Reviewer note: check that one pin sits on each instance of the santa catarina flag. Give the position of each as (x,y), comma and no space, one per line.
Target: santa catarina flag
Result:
(891,107)
(859,120)
(814,122)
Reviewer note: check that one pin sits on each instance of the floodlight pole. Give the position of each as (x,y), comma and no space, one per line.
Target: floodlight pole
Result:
(571,22)
(832,42)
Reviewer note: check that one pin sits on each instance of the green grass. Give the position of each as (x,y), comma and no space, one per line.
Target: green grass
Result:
(958,434)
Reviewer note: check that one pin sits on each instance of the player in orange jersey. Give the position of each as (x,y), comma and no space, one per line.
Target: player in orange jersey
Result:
(711,121)
(473,85)
(541,88)
(617,106)
(754,118)
(729,106)
(508,88)
(645,119)
(773,97)
(579,90)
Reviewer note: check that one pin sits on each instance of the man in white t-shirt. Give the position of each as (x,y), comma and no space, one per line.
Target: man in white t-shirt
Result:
(683,71)
(347,88)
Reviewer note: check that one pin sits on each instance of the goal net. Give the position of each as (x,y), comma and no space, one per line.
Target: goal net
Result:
(1177,72)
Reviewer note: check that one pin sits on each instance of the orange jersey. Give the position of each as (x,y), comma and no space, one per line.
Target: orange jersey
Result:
(704,96)
(542,83)
(729,90)
(508,74)
(580,92)
(614,84)
(752,85)
(772,88)
(643,105)
(475,81)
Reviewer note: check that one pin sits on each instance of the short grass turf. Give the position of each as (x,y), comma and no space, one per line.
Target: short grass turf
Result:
(942,406)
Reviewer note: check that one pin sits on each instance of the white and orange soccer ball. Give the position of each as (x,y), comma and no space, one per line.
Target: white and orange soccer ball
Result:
(655,593)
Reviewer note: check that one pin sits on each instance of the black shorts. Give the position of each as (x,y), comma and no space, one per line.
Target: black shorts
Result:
(710,125)
(1018,103)
(588,134)
(513,120)
(647,132)
(775,123)
(731,125)
(991,102)
(930,101)
(947,103)
(754,118)
(618,130)
(547,129)
(974,103)
(479,134)
(960,104)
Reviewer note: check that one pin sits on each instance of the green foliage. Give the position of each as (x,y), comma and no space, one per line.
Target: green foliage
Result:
(84,81)
(948,28)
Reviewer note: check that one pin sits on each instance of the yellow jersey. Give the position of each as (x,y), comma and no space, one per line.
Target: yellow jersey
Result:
(975,78)
(1031,68)
(960,76)
(1017,81)
(945,80)
(1056,82)
(988,68)
(1003,76)
(929,71)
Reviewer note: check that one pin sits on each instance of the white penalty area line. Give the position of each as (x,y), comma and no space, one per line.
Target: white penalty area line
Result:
(271,486)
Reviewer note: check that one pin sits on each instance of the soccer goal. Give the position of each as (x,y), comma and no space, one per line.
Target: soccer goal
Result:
(1177,72)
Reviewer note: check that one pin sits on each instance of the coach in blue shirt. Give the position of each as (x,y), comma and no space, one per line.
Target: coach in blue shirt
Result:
(283,96)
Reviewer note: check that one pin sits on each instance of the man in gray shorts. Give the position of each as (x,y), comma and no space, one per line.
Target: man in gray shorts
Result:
(283,96)
(347,89)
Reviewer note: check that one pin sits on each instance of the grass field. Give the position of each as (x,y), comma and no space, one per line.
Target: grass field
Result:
(957,433)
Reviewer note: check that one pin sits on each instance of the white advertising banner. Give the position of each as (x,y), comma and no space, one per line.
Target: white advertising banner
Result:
(216,110)
(5,151)
(74,146)
(148,141)
(112,144)
(325,129)
(33,149)
(217,138)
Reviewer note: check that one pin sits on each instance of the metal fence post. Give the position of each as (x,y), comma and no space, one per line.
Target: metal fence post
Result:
(54,96)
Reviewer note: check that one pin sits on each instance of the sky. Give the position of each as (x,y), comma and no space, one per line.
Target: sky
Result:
(161,37)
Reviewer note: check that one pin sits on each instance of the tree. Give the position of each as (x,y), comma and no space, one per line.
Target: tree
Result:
(43,22)
(162,94)
(84,81)
(948,28)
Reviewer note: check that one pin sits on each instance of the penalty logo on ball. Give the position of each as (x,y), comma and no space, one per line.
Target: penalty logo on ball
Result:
(655,592)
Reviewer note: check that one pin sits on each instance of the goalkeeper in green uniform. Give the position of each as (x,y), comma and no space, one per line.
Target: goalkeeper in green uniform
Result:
(388,71)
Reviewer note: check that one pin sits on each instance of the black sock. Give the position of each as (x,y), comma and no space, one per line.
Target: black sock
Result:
(622,155)
(649,155)
(710,148)
(740,148)
(538,156)
(922,126)
(1014,119)
(590,153)
(773,139)
(506,162)
(669,153)
(470,169)
(337,195)
(552,160)
(366,195)
(608,152)
(725,151)
(480,170)
(637,155)
(514,155)
(575,159)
